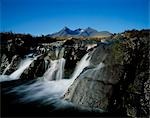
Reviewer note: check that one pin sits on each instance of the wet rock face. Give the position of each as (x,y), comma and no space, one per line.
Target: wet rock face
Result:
(9,67)
(4,63)
(99,55)
(73,52)
(73,55)
(11,53)
(93,91)
(93,88)
(16,59)
(86,97)
(36,69)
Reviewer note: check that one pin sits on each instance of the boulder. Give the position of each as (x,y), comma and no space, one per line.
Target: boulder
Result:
(94,86)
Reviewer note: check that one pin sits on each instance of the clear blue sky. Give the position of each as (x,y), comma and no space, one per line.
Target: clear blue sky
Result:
(47,16)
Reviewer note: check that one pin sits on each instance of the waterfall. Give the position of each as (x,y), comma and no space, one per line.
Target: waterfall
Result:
(50,90)
(59,52)
(46,64)
(4,78)
(23,65)
(93,72)
(91,46)
(84,62)
(16,74)
(60,71)
(56,70)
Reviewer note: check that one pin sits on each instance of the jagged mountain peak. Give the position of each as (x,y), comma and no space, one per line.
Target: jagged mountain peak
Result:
(66,28)
(91,31)
(89,28)
(79,29)
(88,32)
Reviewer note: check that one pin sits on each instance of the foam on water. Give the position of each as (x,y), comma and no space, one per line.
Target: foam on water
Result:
(24,64)
(56,70)
(47,91)
(85,61)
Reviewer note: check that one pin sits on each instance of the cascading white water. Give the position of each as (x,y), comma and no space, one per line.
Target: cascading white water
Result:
(85,61)
(93,72)
(61,53)
(23,65)
(56,70)
(16,74)
(42,89)
(46,64)
(50,90)
(57,52)
(91,46)
(60,71)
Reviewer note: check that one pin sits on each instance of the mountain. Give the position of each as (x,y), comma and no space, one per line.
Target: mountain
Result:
(64,32)
(88,32)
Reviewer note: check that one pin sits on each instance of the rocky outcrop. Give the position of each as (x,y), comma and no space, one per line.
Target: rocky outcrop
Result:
(74,51)
(132,88)
(12,50)
(36,69)
(8,67)
(4,63)
(117,79)
(94,87)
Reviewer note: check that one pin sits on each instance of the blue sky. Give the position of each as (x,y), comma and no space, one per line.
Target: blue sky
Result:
(47,16)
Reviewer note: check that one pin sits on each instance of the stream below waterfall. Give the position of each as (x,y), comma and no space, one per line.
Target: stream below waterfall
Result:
(48,89)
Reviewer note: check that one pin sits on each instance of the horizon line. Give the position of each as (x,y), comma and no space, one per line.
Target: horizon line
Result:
(40,34)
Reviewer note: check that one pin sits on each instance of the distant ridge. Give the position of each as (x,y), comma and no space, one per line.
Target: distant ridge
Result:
(88,32)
